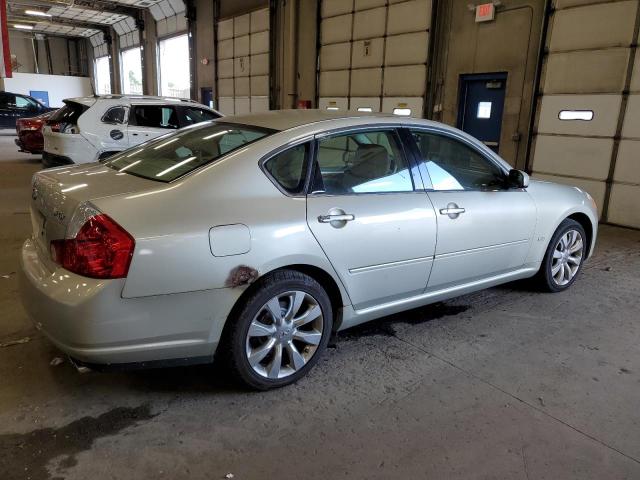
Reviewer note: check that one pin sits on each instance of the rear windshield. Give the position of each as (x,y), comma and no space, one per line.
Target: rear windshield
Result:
(177,154)
(70,113)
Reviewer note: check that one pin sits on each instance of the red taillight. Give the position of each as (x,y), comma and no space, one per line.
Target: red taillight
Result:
(29,124)
(101,249)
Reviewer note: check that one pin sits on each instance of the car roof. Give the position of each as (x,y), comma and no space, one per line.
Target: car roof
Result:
(139,99)
(287,119)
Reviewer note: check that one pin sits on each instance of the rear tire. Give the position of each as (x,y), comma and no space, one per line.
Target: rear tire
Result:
(279,332)
(564,257)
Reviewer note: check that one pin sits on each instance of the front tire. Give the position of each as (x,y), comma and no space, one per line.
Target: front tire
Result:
(564,257)
(280,331)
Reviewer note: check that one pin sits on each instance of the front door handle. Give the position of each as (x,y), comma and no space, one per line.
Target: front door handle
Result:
(452,210)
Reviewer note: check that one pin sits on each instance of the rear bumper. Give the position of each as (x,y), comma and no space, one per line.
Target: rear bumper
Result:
(30,141)
(90,321)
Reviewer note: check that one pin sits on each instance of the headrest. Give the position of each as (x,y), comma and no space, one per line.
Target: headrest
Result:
(371,161)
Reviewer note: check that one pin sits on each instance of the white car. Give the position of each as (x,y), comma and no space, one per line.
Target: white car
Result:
(94,128)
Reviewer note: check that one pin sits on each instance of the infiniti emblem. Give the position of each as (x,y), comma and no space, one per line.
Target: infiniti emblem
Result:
(34,193)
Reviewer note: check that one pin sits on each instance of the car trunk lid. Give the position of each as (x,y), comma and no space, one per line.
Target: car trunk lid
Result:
(57,193)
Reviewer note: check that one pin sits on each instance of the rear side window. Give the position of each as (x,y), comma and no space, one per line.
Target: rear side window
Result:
(288,168)
(154,116)
(115,115)
(24,102)
(191,115)
(365,162)
(172,156)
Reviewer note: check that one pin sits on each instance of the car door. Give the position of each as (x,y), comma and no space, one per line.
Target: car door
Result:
(111,131)
(150,121)
(484,226)
(376,228)
(6,115)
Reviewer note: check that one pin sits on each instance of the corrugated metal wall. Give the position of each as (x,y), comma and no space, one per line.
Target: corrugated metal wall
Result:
(243,63)
(588,130)
(373,54)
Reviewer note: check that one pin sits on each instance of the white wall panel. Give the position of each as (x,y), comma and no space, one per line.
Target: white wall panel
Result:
(589,71)
(594,26)
(333,103)
(623,209)
(243,65)
(366,41)
(628,163)
(365,102)
(631,127)
(414,104)
(369,23)
(588,157)
(605,114)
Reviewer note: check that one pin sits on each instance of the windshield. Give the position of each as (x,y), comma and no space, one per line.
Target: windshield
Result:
(172,156)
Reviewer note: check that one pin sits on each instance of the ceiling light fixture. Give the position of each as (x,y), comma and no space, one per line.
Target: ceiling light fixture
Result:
(23,27)
(37,13)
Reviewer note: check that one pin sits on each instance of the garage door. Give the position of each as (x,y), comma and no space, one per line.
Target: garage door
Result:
(588,131)
(243,63)
(373,55)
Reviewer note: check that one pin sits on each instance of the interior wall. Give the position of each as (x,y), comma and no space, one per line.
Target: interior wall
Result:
(204,46)
(592,66)
(510,44)
(230,8)
(59,87)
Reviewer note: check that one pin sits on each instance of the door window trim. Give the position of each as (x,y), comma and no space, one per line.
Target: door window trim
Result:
(453,135)
(308,163)
(395,128)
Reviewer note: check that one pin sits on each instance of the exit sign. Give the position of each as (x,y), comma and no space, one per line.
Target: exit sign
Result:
(485,12)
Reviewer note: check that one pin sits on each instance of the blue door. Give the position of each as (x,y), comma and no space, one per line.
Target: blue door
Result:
(481,106)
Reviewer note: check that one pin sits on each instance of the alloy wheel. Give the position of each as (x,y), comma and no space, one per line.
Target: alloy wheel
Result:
(567,257)
(284,335)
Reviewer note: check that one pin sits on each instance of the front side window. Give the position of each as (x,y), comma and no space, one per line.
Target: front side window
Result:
(452,165)
(288,168)
(154,116)
(172,156)
(24,102)
(363,162)
(115,115)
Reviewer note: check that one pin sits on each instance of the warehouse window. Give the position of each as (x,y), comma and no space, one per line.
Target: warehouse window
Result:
(585,115)
(103,76)
(174,67)
(131,71)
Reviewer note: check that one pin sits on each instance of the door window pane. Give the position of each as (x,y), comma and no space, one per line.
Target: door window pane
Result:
(365,162)
(103,76)
(452,165)
(131,71)
(114,115)
(288,168)
(155,116)
(173,56)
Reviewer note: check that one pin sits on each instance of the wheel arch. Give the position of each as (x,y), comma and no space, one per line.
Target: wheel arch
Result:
(584,220)
(324,278)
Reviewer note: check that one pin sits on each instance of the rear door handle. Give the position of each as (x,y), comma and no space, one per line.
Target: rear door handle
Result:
(452,210)
(346,217)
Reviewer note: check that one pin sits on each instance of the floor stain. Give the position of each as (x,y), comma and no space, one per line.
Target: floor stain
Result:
(385,326)
(25,456)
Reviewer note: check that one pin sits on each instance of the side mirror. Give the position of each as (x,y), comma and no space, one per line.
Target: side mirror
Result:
(518,179)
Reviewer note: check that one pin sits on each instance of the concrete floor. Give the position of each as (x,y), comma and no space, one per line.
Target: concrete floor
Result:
(506,383)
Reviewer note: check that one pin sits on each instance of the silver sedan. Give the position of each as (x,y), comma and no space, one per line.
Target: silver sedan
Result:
(253,238)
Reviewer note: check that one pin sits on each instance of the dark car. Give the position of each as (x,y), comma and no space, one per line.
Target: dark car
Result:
(16,105)
(29,132)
